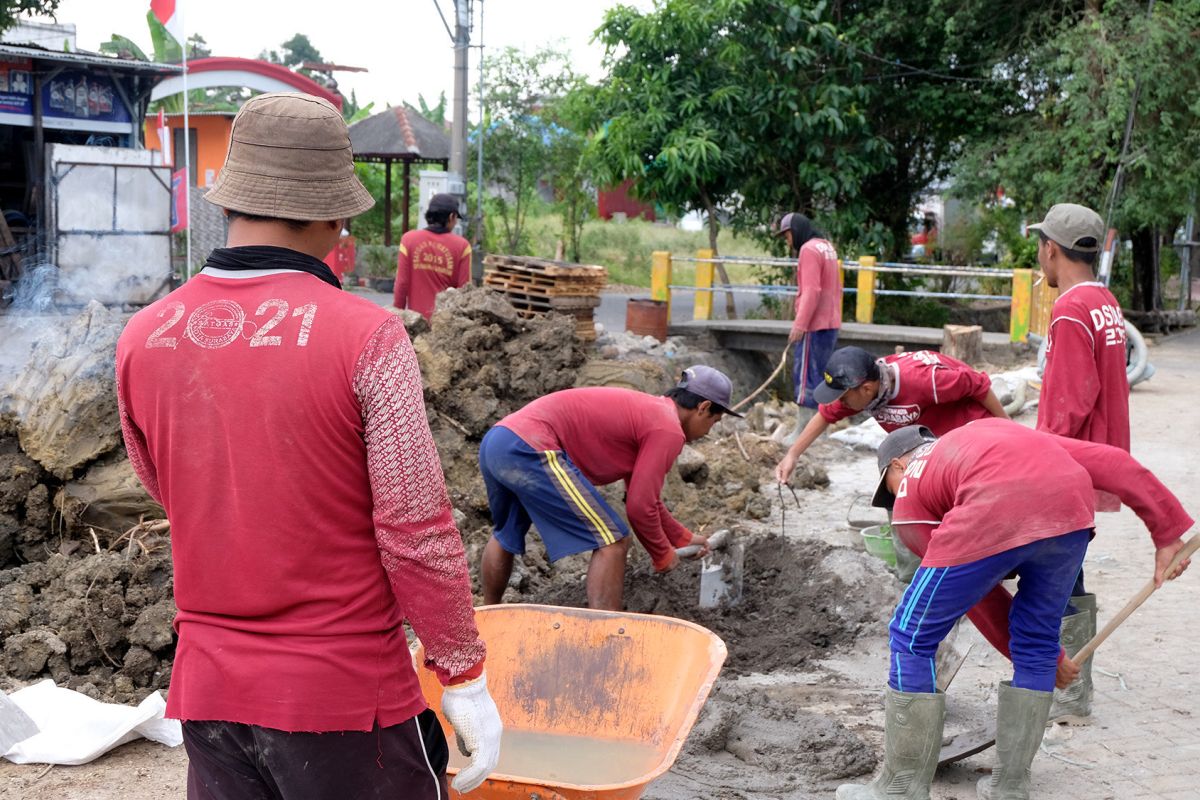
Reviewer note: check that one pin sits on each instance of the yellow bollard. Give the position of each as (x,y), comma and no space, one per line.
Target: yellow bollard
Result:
(864,310)
(1022,304)
(660,278)
(704,280)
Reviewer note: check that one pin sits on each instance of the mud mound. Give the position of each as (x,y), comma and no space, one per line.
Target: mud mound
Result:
(786,745)
(480,361)
(100,624)
(65,401)
(795,605)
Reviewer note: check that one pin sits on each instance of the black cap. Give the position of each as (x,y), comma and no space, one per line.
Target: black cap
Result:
(846,369)
(898,443)
(443,202)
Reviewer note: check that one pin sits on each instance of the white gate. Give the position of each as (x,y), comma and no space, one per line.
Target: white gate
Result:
(109,224)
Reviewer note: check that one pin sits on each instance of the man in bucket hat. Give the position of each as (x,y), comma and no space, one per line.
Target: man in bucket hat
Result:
(280,423)
(1085,391)
(541,465)
(432,260)
(986,501)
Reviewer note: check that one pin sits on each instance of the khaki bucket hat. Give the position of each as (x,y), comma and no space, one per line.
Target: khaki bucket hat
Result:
(289,157)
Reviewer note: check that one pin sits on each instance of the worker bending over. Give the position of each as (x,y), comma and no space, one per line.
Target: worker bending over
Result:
(995,499)
(542,464)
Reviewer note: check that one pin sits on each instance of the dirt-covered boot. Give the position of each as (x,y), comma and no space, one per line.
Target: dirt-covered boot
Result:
(1020,723)
(1075,701)
(912,741)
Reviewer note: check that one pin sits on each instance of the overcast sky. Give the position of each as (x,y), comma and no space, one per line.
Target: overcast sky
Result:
(402,43)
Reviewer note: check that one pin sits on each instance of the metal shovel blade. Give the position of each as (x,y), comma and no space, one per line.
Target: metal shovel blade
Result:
(721,576)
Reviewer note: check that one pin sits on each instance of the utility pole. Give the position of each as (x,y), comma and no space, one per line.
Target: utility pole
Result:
(458,131)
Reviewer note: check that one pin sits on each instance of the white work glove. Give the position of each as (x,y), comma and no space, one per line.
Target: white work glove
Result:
(471,711)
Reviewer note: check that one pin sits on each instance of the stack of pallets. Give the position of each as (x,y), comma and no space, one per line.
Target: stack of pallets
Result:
(537,286)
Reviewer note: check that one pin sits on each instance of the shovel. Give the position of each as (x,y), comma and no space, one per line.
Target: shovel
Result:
(720,570)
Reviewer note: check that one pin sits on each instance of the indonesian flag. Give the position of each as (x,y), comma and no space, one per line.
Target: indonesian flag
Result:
(169,13)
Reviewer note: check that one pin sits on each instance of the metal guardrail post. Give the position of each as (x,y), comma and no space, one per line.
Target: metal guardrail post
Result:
(704,280)
(1022,304)
(865,302)
(660,278)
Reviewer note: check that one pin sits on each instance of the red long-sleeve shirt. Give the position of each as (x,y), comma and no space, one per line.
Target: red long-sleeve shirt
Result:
(1085,391)
(1109,469)
(280,423)
(429,263)
(935,390)
(615,434)
(819,304)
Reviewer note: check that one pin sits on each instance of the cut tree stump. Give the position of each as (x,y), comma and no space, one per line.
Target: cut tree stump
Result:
(964,342)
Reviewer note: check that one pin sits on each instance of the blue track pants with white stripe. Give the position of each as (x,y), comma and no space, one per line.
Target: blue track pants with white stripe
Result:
(938,596)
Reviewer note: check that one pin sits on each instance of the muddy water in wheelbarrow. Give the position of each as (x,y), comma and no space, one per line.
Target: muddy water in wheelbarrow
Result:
(595,704)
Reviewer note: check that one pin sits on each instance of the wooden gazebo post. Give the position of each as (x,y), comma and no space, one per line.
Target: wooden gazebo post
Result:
(407,185)
(387,202)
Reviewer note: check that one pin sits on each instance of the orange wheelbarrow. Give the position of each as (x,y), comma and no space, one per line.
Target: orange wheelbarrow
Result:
(596,704)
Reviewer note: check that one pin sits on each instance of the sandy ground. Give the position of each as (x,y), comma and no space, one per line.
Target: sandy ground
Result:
(1141,743)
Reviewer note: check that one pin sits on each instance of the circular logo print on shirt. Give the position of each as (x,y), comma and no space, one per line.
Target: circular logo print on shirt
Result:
(216,323)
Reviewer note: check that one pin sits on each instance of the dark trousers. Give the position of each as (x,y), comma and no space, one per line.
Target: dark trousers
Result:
(233,761)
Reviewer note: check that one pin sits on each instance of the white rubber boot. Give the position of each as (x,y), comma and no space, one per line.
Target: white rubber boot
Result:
(912,741)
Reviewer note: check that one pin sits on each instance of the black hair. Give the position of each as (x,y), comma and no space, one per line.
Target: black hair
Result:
(1075,255)
(438,217)
(294,224)
(688,399)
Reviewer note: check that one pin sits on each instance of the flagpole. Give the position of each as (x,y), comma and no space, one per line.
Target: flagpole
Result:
(187,147)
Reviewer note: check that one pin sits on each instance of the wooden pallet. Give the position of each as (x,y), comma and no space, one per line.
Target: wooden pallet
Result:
(546,266)
(540,283)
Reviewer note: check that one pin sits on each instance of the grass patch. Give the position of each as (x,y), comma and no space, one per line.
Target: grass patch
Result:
(625,248)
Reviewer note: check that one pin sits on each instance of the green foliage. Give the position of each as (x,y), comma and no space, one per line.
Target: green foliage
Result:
(436,113)
(844,110)
(12,10)
(376,260)
(1063,142)
(369,227)
(530,142)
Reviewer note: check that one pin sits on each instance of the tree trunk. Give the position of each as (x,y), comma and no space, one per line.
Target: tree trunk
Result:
(713,229)
(1147,292)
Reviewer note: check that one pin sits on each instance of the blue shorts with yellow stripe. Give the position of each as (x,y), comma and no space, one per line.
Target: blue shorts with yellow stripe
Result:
(542,487)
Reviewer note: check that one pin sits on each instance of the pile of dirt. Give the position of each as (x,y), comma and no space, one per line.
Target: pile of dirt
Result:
(63,468)
(769,731)
(799,600)
(100,624)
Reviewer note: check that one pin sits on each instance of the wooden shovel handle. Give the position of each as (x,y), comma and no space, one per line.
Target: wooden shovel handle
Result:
(1088,649)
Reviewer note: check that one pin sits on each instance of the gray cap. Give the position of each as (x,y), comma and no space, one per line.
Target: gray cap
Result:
(711,384)
(1071,225)
(898,443)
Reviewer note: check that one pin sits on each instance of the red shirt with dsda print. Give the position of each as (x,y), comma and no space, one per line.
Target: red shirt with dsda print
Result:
(280,423)
(1085,391)
(935,390)
(429,263)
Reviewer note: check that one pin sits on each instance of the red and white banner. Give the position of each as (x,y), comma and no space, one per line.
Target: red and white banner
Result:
(170,14)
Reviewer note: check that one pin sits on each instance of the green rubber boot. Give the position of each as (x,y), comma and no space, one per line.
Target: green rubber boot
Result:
(1075,701)
(1020,722)
(912,741)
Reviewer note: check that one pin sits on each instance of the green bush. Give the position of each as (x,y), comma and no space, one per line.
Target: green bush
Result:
(376,260)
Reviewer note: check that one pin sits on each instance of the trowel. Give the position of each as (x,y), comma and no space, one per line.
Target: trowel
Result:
(720,570)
